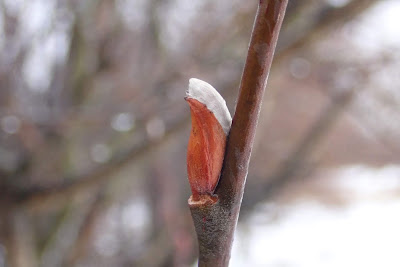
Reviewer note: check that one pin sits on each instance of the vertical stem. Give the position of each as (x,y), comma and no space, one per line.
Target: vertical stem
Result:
(258,63)
(215,223)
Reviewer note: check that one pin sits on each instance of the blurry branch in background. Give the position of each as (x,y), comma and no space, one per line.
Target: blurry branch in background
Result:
(72,185)
(53,241)
(158,247)
(72,231)
(94,177)
(299,157)
(18,238)
(81,243)
(8,236)
(298,31)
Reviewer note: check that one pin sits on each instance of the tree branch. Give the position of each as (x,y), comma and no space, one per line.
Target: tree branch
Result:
(215,223)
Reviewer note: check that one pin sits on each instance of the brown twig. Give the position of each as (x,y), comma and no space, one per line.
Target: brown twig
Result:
(215,223)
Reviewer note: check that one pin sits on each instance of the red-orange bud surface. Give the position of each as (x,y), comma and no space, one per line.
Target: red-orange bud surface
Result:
(206,150)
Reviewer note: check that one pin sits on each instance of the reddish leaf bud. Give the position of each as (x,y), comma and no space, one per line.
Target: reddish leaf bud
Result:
(211,123)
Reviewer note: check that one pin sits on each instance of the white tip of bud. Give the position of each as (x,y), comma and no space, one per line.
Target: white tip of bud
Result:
(208,95)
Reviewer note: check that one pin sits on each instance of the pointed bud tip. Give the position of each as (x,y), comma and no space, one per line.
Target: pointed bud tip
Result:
(205,93)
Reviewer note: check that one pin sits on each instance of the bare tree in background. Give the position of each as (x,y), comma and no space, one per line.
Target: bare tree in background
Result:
(94,126)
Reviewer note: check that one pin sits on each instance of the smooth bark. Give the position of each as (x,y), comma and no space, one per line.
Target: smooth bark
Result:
(215,222)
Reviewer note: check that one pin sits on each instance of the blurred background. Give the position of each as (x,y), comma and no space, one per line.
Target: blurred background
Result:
(94,129)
